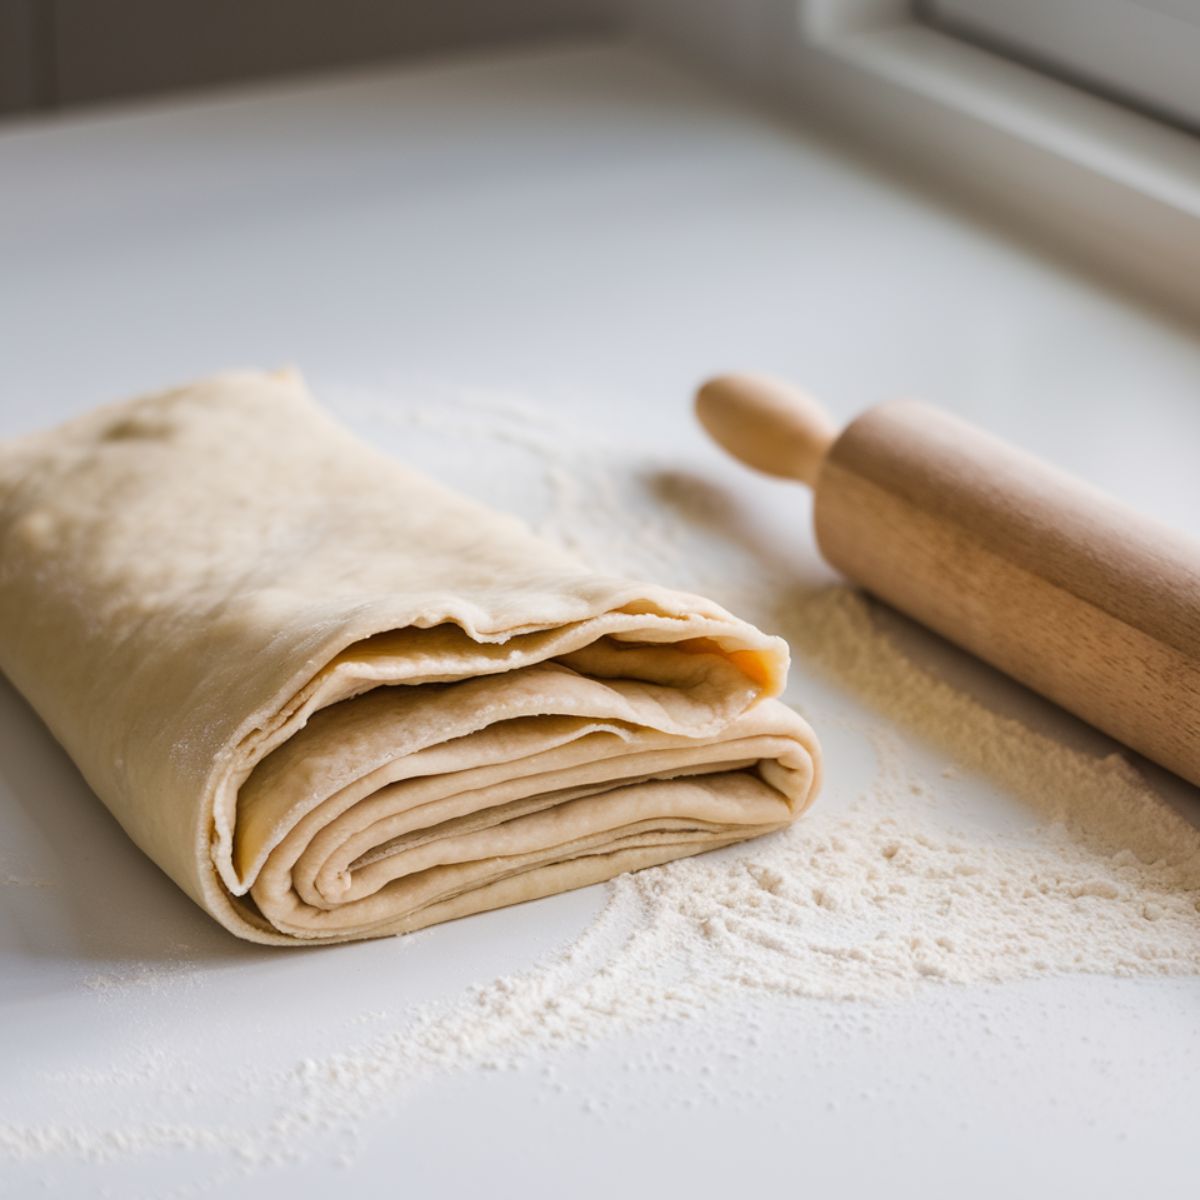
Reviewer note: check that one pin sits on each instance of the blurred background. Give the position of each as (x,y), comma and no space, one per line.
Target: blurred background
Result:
(1075,118)
(61,53)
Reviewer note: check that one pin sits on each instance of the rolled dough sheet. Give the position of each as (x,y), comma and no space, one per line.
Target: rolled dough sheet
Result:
(334,700)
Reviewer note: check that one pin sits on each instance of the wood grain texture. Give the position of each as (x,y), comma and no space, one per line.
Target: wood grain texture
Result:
(1037,573)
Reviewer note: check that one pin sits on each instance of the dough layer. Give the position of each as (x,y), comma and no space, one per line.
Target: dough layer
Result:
(334,700)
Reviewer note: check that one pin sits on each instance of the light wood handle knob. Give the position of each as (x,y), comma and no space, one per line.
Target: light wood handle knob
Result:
(767,424)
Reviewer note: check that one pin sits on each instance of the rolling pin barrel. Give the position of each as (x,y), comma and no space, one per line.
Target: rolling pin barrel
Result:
(1051,581)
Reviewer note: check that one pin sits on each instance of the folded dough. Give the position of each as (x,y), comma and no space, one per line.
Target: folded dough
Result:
(333,700)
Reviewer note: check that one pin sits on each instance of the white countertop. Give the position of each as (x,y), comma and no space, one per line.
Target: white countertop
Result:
(593,231)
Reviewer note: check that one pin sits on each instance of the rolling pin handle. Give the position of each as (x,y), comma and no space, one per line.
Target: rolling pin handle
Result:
(767,424)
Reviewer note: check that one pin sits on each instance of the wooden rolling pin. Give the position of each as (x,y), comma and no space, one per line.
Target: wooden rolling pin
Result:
(1041,575)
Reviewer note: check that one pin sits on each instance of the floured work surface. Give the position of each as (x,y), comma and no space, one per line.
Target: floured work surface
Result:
(831,942)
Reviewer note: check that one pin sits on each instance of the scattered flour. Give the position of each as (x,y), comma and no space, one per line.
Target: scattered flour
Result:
(870,897)
(154,977)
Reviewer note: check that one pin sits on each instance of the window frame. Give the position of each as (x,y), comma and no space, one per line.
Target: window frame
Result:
(1089,178)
